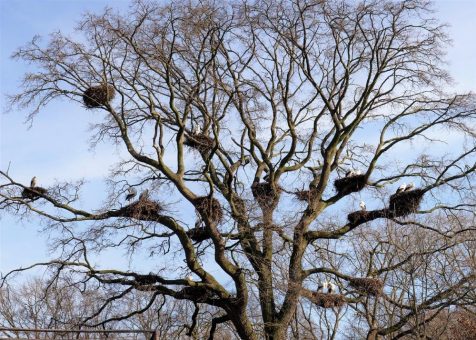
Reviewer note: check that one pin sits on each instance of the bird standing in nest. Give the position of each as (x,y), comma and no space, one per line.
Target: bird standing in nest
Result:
(144,195)
(401,188)
(33,182)
(332,288)
(362,206)
(131,193)
(410,186)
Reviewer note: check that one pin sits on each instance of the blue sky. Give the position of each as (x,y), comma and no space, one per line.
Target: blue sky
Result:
(57,145)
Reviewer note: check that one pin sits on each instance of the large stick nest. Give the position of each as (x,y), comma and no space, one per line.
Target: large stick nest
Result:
(265,194)
(406,202)
(199,234)
(367,285)
(197,294)
(347,185)
(200,142)
(327,300)
(210,208)
(33,193)
(305,195)
(97,96)
(143,209)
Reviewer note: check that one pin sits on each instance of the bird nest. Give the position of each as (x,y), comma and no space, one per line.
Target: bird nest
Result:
(33,193)
(210,208)
(305,195)
(358,217)
(367,285)
(200,142)
(327,300)
(265,194)
(405,202)
(197,294)
(347,185)
(97,96)
(143,209)
(199,234)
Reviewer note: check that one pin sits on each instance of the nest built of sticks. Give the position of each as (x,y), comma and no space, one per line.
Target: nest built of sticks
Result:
(347,185)
(200,142)
(265,194)
(96,96)
(33,193)
(305,195)
(199,234)
(357,217)
(143,209)
(210,208)
(405,202)
(197,294)
(327,300)
(367,285)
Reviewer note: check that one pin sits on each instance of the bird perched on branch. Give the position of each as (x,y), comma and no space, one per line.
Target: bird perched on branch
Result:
(362,206)
(131,193)
(401,188)
(33,182)
(410,186)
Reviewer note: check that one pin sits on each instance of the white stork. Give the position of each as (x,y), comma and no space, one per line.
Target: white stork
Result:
(132,192)
(33,182)
(350,173)
(410,186)
(144,195)
(332,288)
(189,277)
(322,286)
(401,188)
(362,206)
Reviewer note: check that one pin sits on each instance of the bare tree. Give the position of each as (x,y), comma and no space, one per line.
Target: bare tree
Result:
(259,116)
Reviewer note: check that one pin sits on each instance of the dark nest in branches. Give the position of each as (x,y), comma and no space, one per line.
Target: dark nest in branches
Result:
(210,208)
(197,294)
(405,202)
(347,185)
(33,193)
(199,234)
(305,195)
(97,96)
(367,285)
(200,142)
(143,209)
(327,300)
(358,217)
(265,194)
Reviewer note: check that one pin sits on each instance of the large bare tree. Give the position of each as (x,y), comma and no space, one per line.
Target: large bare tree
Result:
(246,126)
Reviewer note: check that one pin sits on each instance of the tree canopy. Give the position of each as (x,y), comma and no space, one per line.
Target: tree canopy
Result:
(252,130)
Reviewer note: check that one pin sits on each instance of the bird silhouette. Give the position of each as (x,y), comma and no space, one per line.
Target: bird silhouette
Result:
(33,182)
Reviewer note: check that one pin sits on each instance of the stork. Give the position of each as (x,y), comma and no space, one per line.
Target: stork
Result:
(322,286)
(357,173)
(132,192)
(144,195)
(401,188)
(189,277)
(33,182)
(350,173)
(196,130)
(362,206)
(332,288)
(410,186)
